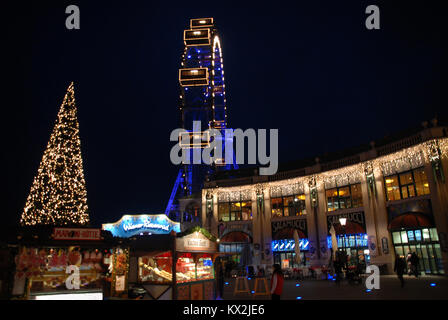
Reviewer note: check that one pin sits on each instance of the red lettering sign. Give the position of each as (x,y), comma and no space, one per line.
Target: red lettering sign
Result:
(76,234)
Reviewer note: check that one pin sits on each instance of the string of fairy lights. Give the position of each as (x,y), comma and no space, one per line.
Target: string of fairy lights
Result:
(58,194)
(400,161)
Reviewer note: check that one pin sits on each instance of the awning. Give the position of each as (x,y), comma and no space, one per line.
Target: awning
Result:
(236,236)
(410,221)
(349,228)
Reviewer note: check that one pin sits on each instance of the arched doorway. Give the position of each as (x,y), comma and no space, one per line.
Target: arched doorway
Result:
(416,232)
(283,248)
(237,247)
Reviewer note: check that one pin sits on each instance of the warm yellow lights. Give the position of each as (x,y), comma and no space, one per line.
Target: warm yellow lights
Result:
(58,195)
(412,157)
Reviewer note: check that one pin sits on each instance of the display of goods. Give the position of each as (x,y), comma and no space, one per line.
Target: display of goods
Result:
(74,257)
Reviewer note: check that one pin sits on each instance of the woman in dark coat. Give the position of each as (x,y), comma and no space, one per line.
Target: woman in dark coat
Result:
(400,268)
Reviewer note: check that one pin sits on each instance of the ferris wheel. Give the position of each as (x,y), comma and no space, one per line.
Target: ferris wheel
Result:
(202,99)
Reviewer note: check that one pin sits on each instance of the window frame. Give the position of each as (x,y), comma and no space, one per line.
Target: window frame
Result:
(336,200)
(233,214)
(299,207)
(406,186)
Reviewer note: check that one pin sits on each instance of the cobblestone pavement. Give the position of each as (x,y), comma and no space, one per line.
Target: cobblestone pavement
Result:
(425,287)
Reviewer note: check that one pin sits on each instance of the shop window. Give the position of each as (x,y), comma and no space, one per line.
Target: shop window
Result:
(277,207)
(224,212)
(404,237)
(344,197)
(155,268)
(418,235)
(235,211)
(288,206)
(424,242)
(406,185)
(185,268)
(45,268)
(204,268)
(434,235)
(426,235)
(396,237)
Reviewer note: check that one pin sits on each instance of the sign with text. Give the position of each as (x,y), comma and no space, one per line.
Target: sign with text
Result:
(299,224)
(129,226)
(76,234)
(195,242)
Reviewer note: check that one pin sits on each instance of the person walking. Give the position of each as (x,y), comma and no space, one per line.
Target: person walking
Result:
(276,282)
(220,279)
(338,264)
(400,268)
(414,264)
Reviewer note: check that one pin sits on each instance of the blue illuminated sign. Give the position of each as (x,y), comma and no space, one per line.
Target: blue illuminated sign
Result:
(289,245)
(129,226)
(349,240)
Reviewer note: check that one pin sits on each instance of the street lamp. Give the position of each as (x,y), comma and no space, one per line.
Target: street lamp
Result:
(343,222)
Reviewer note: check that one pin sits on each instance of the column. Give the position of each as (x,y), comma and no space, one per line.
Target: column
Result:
(439,203)
(378,209)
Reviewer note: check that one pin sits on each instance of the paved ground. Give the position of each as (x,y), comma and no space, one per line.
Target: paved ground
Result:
(390,289)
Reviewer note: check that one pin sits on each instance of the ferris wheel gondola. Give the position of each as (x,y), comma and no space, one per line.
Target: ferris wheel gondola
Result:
(202,99)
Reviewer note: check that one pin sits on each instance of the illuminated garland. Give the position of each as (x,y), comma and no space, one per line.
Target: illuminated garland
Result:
(403,160)
(58,195)
(207,234)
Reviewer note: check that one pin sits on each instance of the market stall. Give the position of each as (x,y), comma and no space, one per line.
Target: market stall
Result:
(65,263)
(196,251)
(174,267)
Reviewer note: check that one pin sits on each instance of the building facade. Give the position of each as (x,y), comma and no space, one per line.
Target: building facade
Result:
(393,196)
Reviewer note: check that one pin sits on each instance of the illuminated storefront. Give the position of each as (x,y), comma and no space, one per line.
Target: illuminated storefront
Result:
(173,266)
(375,190)
(351,236)
(413,230)
(285,255)
(65,264)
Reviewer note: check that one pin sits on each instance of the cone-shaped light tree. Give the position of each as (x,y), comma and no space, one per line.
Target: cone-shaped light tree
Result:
(58,195)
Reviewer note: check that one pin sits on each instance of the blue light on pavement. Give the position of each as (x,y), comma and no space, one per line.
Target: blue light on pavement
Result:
(368,290)
(432,284)
(299,298)
(297,285)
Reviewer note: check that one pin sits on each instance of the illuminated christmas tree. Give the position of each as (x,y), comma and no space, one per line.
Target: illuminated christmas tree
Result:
(58,195)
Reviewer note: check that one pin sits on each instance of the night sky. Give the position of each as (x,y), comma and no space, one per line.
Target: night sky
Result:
(309,68)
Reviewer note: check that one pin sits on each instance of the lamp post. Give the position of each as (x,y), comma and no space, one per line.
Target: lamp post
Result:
(343,222)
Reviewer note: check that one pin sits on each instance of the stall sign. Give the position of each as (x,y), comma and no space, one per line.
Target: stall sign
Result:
(76,234)
(196,243)
(129,226)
